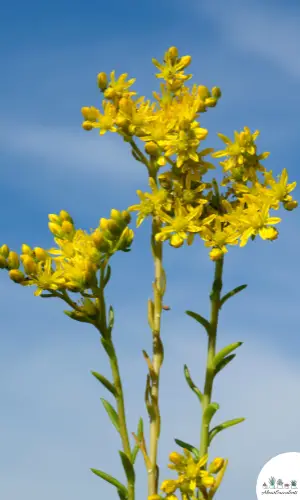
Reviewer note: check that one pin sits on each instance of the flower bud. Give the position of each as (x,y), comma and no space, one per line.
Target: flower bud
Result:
(55,229)
(114,227)
(175,458)
(116,215)
(203,92)
(216,465)
(126,216)
(29,264)
(3,262)
(26,249)
(201,107)
(185,61)
(64,215)
(173,54)
(86,125)
(4,250)
(67,227)
(290,205)
(211,102)
(85,112)
(176,241)
(165,180)
(16,275)
(54,218)
(216,254)
(100,242)
(103,223)
(13,260)
(126,105)
(40,254)
(126,239)
(102,81)
(216,92)
(121,121)
(152,149)
(154,497)
(110,93)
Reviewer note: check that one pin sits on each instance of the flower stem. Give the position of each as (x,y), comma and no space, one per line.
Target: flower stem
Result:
(157,360)
(215,297)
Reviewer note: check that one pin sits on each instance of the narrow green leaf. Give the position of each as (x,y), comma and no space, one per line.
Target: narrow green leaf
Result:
(225,351)
(140,432)
(109,386)
(108,347)
(111,413)
(204,322)
(188,447)
(225,425)
(224,362)
(108,275)
(210,411)
(77,316)
(112,480)
(232,293)
(128,467)
(191,384)
(111,318)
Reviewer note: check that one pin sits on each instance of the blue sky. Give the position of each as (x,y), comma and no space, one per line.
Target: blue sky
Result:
(53,427)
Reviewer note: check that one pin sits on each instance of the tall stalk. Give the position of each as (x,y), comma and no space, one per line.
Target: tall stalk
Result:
(215,299)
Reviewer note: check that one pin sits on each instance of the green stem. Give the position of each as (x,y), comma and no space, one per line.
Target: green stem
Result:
(215,297)
(157,360)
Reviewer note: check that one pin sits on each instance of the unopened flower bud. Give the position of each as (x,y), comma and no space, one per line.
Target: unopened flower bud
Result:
(16,275)
(126,239)
(176,241)
(102,81)
(175,458)
(55,229)
(173,54)
(29,264)
(116,215)
(26,249)
(290,205)
(216,254)
(3,262)
(54,218)
(103,223)
(165,180)
(67,227)
(85,112)
(64,215)
(13,260)
(211,102)
(216,465)
(125,105)
(216,92)
(154,497)
(114,227)
(100,242)
(121,121)
(151,148)
(4,250)
(126,216)
(40,254)
(201,107)
(86,125)
(185,61)
(203,92)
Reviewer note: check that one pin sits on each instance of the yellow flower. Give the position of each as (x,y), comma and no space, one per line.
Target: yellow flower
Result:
(169,486)
(181,224)
(151,203)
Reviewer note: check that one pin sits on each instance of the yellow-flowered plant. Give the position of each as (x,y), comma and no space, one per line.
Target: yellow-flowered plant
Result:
(165,136)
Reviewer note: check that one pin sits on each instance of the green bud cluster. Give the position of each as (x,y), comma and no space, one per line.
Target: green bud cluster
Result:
(113,234)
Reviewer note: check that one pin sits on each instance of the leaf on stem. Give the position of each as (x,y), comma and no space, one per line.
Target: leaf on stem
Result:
(225,425)
(128,467)
(224,362)
(163,283)
(112,414)
(209,411)
(112,480)
(204,322)
(150,366)
(232,293)
(107,384)
(108,347)
(122,496)
(189,447)
(111,318)
(224,352)
(107,276)
(191,384)
(140,434)
(151,314)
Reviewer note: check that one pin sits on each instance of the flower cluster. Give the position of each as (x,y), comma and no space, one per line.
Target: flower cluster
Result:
(192,477)
(73,264)
(180,199)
